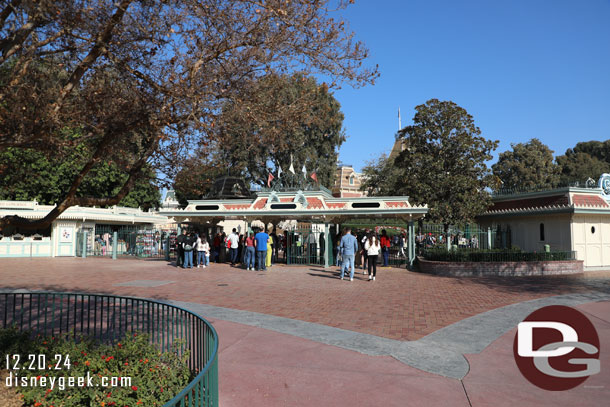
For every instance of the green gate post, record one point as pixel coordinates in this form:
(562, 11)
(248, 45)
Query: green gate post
(115, 244)
(167, 248)
(411, 245)
(328, 246)
(84, 253)
(488, 238)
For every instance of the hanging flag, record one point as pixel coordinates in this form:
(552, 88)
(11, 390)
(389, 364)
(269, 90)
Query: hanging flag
(304, 171)
(269, 179)
(279, 171)
(291, 169)
(314, 176)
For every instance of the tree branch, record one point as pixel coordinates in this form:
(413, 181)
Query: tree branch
(98, 49)
(8, 10)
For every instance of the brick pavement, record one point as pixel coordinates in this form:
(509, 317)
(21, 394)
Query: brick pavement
(399, 305)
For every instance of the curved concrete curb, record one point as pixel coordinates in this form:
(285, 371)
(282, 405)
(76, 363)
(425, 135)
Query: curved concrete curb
(441, 352)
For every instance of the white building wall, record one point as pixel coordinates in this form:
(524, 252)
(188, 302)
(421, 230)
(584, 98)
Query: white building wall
(525, 232)
(591, 236)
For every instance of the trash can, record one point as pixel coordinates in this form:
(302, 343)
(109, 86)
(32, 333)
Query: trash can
(547, 248)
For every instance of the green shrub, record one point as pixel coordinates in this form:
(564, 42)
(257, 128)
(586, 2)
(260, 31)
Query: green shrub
(156, 376)
(497, 255)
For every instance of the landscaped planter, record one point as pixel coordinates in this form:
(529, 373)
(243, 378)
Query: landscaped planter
(509, 268)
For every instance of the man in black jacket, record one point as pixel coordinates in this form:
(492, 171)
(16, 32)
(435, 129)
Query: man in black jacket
(179, 248)
(189, 246)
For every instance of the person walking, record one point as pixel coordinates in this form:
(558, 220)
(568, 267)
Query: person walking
(233, 245)
(348, 249)
(363, 241)
(372, 247)
(250, 252)
(260, 242)
(385, 247)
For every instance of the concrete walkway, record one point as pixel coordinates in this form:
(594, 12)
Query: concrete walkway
(268, 359)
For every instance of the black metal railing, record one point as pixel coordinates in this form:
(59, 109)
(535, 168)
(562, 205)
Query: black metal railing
(106, 318)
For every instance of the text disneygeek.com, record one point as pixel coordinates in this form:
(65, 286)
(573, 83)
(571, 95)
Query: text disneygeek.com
(63, 382)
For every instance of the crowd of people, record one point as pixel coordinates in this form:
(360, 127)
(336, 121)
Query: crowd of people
(366, 246)
(254, 251)
(430, 241)
(259, 250)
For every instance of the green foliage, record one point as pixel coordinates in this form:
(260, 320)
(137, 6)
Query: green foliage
(597, 149)
(196, 178)
(380, 177)
(442, 165)
(580, 167)
(26, 174)
(279, 117)
(529, 165)
(155, 377)
(586, 160)
(496, 255)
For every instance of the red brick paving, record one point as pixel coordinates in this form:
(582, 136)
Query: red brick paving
(400, 305)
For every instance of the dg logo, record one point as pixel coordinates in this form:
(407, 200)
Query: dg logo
(557, 348)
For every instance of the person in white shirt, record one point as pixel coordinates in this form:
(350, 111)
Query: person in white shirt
(205, 246)
(364, 258)
(372, 248)
(233, 243)
(203, 252)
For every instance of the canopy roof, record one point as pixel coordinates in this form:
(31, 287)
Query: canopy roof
(314, 205)
(560, 200)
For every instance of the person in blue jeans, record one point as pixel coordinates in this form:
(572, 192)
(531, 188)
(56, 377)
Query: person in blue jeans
(250, 252)
(260, 242)
(348, 250)
(189, 244)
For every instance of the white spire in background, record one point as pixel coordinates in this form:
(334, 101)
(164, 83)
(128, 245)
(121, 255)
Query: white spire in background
(399, 124)
(291, 169)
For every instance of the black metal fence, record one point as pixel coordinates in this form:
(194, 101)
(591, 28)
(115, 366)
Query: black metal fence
(106, 318)
(134, 241)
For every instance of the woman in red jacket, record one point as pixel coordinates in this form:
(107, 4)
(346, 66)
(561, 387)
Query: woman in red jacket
(385, 247)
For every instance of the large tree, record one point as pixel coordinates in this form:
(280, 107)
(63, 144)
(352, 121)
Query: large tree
(527, 166)
(27, 174)
(579, 167)
(277, 118)
(196, 177)
(597, 149)
(148, 77)
(588, 159)
(442, 164)
(381, 176)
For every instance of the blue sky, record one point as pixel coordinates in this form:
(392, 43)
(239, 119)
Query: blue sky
(522, 69)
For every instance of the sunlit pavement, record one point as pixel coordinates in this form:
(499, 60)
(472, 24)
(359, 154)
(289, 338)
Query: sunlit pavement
(262, 367)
